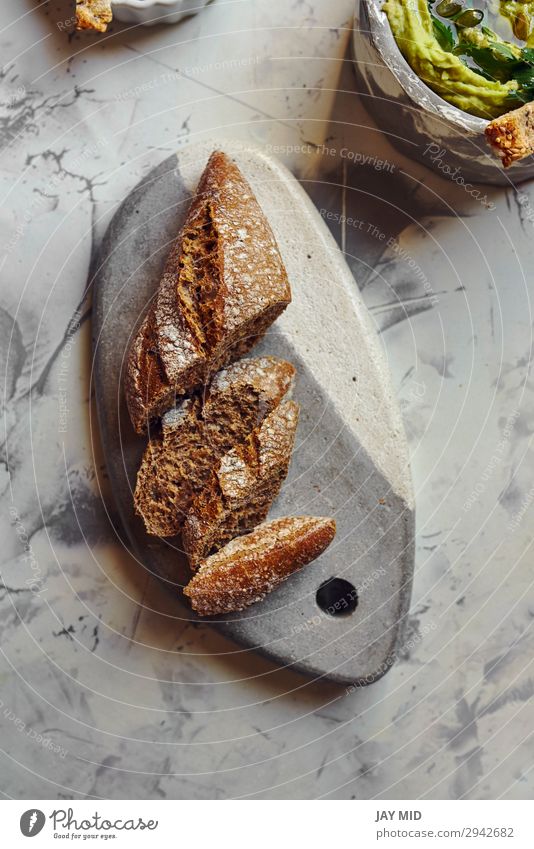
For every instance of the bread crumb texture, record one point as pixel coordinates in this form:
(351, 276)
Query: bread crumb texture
(193, 436)
(247, 479)
(93, 14)
(223, 285)
(512, 135)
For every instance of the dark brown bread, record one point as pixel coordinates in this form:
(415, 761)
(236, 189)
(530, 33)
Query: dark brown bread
(240, 492)
(183, 453)
(224, 283)
(249, 567)
(93, 14)
(512, 135)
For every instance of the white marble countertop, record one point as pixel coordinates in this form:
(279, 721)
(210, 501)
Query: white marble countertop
(102, 694)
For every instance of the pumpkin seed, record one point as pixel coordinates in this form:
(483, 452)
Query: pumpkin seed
(448, 10)
(469, 18)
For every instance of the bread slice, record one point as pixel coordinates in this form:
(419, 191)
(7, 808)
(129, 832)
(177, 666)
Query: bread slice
(183, 453)
(512, 135)
(249, 567)
(240, 492)
(93, 14)
(224, 283)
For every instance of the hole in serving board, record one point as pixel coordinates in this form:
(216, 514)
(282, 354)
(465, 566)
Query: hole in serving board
(337, 597)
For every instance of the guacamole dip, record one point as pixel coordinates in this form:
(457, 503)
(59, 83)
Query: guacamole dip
(475, 71)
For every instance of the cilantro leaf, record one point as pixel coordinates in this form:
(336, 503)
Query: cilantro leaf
(496, 60)
(525, 77)
(503, 50)
(444, 34)
(527, 54)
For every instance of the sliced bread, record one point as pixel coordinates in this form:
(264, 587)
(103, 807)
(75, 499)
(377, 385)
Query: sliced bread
(93, 14)
(251, 566)
(240, 492)
(512, 135)
(224, 283)
(183, 453)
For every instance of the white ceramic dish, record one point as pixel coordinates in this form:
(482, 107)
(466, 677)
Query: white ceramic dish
(151, 12)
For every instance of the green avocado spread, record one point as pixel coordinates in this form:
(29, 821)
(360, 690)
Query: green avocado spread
(483, 71)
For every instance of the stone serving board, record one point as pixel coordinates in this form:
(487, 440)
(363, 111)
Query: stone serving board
(350, 459)
(414, 116)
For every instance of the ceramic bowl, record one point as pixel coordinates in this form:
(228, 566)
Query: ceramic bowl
(150, 12)
(418, 121)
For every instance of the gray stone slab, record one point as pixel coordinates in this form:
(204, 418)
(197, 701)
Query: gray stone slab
(350, 459)
(413, 116)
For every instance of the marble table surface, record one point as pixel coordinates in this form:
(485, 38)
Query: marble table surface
(103, 694)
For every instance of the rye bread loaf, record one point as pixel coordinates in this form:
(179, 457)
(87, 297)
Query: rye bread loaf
(93, 14)
(224, 283)
(183, 453)
(249, 567)
(246, 481)
(512, 135)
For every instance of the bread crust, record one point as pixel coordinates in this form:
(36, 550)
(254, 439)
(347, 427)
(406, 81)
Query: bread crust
(93, 14)
(223, 284)
(512, 135)
(249, 567)
(240, 492)
(193, 436)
